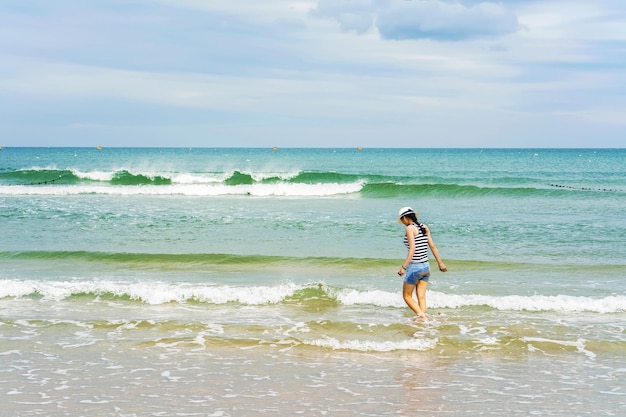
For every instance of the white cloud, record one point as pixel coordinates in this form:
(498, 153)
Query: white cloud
(333, 67)
(169, 89)
(444, 21)
(425, 19)
(254, 10)
(596, 116)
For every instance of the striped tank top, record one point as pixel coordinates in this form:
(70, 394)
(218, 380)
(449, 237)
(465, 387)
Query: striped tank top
(421, 245)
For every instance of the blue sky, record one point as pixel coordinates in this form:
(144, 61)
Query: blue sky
(328, 73)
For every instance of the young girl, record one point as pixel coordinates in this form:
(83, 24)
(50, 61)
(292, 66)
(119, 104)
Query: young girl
(417, 240)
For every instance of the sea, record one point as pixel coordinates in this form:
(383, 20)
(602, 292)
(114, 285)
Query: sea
(263, 281)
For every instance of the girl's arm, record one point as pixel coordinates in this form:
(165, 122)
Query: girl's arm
(435, 251)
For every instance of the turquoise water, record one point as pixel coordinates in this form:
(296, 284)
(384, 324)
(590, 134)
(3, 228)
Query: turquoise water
(164, 271)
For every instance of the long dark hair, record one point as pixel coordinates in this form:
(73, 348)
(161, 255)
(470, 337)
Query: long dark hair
(413, 217)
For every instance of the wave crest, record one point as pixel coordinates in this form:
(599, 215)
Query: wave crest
(162, 293)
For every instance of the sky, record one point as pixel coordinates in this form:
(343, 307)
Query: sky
(326, 73)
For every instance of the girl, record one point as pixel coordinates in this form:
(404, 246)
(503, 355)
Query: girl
(417, 240)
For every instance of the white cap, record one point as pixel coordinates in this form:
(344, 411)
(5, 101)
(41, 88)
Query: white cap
(404, 211)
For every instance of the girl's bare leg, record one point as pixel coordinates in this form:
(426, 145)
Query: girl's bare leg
(421, 294)
(407, 294)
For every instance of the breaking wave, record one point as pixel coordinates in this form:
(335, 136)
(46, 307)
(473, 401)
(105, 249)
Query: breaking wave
(51, 181)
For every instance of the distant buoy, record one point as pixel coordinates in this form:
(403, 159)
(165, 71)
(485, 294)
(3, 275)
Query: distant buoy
(274, 148)
(359, 149)
(99, 147)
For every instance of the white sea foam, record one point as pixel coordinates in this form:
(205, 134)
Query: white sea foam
(374, 297)
(374, 346)
(149, 292)
(94, 175)
(163, 292)
(580, 344)
(260, 176)
(562, 303)
(209, 188)
(187, 178)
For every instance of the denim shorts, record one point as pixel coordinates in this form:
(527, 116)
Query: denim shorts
(417, 272)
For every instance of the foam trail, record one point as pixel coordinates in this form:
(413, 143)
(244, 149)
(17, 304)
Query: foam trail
(209, 189)
(560, 303)
(149, 292)
(374, 346)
